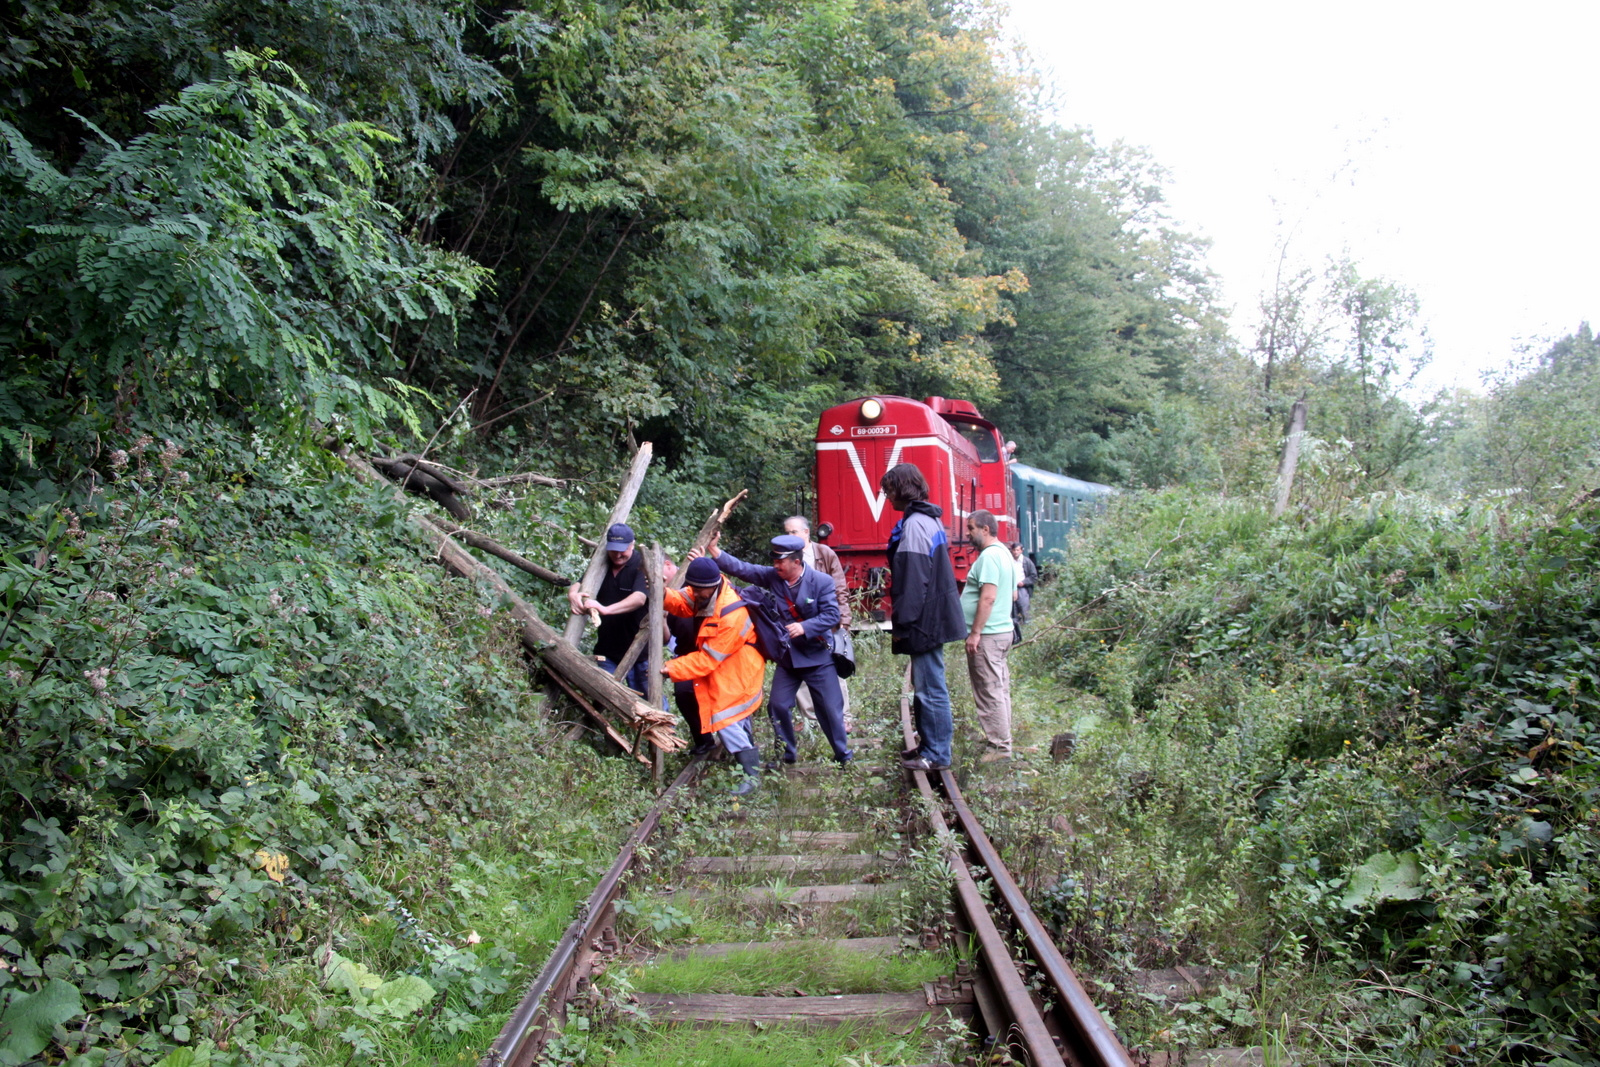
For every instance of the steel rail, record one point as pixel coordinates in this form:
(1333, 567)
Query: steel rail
(523, 1036)
(1091, 1040)
(1026, 1021)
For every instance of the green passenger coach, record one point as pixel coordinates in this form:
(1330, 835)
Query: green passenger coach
(1049, 508)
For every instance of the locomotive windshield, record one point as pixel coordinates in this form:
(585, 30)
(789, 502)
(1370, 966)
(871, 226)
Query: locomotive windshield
(982, 439)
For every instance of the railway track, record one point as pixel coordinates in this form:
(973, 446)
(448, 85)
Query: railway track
(847, 903)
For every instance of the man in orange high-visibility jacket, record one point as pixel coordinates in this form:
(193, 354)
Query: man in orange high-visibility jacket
(726, 667)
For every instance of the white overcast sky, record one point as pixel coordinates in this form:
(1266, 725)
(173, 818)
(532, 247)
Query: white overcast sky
(1465, 138)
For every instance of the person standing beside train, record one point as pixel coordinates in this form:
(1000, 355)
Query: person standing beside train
(822, 558)
(925, 612)
(1027, 575)
(986, 604)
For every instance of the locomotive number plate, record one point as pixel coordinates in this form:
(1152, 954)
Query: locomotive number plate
(874, 431)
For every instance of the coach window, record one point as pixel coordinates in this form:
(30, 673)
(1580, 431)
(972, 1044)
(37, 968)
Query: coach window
(983, 442)
(1055, 507)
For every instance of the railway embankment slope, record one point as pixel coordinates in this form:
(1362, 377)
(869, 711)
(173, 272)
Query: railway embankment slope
(1343, 765)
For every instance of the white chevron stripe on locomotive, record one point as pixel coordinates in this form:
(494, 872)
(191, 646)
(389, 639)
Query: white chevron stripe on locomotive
(876, 501)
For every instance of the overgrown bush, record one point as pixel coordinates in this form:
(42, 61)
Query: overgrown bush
(1350, 758)
(240, 703)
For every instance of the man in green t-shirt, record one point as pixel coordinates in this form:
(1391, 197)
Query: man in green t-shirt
(986, 604)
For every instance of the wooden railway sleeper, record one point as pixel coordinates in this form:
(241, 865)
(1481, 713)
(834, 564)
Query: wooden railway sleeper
(995, 987)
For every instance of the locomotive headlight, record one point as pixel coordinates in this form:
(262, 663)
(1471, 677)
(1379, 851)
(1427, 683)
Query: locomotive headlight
(871, 409)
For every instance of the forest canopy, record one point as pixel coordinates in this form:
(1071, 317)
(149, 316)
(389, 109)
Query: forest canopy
(596, 219)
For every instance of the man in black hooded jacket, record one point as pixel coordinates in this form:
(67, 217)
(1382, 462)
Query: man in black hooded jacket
(926, 608)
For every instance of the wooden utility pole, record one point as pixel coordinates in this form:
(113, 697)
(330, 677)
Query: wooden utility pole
(1291, 456)
(598, 563)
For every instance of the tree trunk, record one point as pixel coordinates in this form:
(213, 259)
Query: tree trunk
(559, 657)
(1291, 457)
(597, 565)
(494, 548)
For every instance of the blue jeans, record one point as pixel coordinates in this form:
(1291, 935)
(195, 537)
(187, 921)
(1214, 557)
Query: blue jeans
(933, 721)
(638, 674)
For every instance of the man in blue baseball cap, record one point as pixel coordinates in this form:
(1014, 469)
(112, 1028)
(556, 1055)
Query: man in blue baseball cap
(809, 610)
(620, 600)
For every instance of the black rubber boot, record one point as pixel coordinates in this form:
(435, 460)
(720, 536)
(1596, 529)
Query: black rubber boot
(750, 760)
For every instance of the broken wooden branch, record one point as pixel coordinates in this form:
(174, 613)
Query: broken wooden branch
(450, 477)
(521, 479)
(587, 542)
(423, 482)
(712, 527)
(597, 565)
(605, 723)
(494, 548)
(565, 663)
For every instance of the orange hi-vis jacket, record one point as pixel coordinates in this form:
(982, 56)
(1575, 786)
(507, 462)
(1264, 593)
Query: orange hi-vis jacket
(726, 667)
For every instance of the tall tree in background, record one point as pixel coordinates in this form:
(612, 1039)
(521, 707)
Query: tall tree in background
(1348, 344)
(1376, 350)
(1117, 309)
(1537, 433)
(694, 217)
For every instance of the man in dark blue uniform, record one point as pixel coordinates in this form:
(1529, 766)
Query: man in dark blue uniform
(809, 607)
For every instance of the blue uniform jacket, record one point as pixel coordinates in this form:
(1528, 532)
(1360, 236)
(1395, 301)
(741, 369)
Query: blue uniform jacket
(813, 598)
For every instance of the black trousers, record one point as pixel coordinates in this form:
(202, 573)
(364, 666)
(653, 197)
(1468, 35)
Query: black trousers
(826, 699)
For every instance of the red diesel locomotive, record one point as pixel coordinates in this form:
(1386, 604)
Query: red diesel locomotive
(960, 454)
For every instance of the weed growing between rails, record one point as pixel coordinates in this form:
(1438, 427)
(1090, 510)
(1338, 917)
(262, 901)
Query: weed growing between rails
(267, 766)
(756, 922)
(1342, 769)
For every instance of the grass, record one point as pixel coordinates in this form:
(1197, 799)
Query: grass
(739, 1047)
(813, 968)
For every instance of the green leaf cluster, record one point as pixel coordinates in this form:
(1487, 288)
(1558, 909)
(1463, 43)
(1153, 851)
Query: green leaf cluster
(236, 257)
(239, 701)
(1364, 741)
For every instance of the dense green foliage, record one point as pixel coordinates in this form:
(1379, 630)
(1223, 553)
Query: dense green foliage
(240, 703)
(1536, 432)
(691, 217)
(1352, 761)
(230, 231)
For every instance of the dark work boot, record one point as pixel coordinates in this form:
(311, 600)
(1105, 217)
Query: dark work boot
(750, 760)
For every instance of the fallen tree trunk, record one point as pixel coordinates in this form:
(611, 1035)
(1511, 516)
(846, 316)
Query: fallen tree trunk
(712, 527)
(560, 658)
(521, 479)
(597, 565)
(495, 548)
